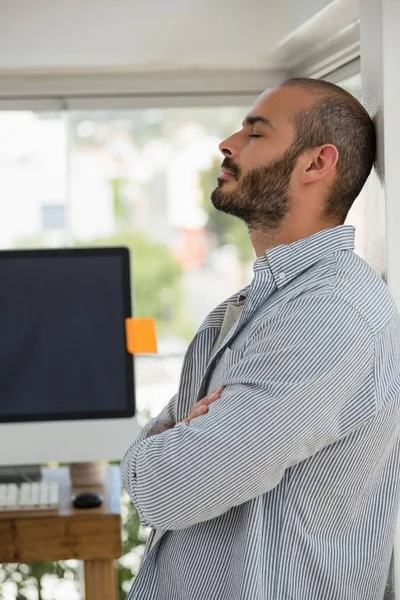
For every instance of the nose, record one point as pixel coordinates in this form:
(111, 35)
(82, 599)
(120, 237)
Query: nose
(224, 149)
(228, 147)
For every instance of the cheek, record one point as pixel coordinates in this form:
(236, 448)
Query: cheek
(260, 152)
(253, 157)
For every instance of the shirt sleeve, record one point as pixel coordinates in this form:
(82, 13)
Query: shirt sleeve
(168, 413)
(305, 380)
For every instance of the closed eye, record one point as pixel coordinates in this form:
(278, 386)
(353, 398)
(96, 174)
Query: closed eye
(255, 135)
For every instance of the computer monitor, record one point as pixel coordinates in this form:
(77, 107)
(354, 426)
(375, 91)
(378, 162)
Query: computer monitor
(66, 377)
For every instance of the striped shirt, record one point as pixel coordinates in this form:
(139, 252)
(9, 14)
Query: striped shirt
(288, 487)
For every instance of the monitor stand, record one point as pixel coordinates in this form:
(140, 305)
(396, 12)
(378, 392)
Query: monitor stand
(20, 474)
(87, 474)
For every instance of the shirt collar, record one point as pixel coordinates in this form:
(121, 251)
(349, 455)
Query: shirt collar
(287, 261)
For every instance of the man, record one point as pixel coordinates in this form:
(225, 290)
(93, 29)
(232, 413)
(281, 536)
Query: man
(284, 484)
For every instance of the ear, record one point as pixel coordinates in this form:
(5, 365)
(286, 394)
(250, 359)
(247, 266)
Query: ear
(319, 163)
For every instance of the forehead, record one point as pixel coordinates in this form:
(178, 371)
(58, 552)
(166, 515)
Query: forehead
(280, 104)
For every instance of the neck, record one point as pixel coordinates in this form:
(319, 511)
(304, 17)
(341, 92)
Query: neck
(263, 240)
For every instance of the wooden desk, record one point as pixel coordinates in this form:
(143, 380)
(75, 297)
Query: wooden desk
(92, 535)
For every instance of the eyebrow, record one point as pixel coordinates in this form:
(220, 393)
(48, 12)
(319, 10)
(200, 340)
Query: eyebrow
(258, 119)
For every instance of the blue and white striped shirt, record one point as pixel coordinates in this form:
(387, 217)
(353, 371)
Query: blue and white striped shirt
(288, 488)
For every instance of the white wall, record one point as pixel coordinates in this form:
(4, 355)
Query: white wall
(380, 45)
(146, 36)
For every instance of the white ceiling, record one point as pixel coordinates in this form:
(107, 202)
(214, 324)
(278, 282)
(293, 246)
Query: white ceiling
(149, 35)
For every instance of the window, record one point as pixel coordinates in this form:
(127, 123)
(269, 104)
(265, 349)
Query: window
(32, 174)
(140, 178)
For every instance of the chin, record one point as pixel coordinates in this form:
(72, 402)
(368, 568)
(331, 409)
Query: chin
(222, 200)
(227, 183)
(226, 189)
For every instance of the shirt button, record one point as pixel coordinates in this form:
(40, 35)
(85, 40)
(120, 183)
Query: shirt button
(282, 276)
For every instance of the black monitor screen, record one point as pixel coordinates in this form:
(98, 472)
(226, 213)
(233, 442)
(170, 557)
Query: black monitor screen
(62, 335)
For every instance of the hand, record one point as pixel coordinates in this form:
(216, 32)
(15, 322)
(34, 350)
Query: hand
(201, 407)
(160, 428)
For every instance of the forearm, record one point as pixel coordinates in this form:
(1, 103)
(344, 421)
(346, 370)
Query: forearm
(153, 427)
(128, 468)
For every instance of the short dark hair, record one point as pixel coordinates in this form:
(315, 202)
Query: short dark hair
(337, 118)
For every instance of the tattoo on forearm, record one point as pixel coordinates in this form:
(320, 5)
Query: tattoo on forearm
(161, 427)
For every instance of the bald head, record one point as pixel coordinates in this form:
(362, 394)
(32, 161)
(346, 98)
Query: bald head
(328, 114)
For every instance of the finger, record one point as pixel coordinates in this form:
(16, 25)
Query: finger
(201, 410)
(212, 398)
(206, 400)
(203, 403)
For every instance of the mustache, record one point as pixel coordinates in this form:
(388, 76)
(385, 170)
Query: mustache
(231, 166)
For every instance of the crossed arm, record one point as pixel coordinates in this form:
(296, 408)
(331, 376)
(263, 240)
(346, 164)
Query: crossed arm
(291, 394)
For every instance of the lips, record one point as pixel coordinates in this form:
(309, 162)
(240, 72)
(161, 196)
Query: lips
(226, 174)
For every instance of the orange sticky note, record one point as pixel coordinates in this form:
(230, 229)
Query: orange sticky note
(141, 336)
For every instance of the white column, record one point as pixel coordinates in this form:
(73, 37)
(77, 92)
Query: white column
(380, 71)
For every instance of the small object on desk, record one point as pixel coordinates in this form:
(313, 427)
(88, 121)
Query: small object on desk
(87, 500)
(29, 496)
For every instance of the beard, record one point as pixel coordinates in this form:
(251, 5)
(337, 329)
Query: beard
(262, 196)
